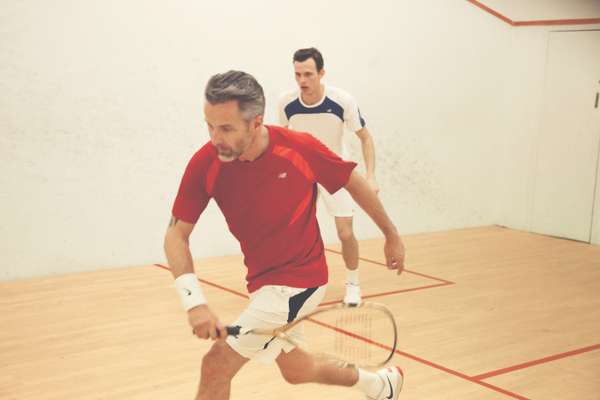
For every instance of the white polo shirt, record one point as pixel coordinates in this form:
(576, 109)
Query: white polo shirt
(326, 119)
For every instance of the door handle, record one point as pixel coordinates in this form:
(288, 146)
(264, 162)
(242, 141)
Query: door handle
(597, 95)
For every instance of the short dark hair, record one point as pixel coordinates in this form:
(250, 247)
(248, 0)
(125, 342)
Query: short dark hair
(239, 86)
(311, 52)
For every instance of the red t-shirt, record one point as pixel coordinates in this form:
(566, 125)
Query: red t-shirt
(269, 204)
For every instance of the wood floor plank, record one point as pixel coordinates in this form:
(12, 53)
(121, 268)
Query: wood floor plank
(513, 298)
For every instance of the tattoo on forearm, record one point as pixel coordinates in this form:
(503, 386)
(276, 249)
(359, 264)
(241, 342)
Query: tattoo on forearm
(173, 222)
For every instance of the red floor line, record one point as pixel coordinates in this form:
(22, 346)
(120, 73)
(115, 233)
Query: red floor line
(211, 284)
(245, 296)
(370, 296)
(406, 270)
(430, 277)
(421, 360)
(407, 290)
(501, 390)
(461, 375)
(401, 353)
(535, 362)
(162, 266)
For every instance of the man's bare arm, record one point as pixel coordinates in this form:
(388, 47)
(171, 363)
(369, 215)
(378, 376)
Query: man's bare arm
(366, 198)
(204, 323)
(368, 151)
(177, 247)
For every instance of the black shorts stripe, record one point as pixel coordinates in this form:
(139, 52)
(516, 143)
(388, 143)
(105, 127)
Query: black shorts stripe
(296, 302)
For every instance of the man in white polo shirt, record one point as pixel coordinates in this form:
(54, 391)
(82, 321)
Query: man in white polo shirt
(326, 112)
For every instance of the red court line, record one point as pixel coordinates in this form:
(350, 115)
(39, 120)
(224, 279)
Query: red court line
(478, 379)
(406, 270)
(536, 362)
(546, 22)
(401, 353)
(421, 360)
(370, 296)
(322, 304)
(461, 375)
(211, 284)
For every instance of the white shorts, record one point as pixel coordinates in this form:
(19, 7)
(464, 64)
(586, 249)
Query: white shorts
(270, 307)
(339, 204)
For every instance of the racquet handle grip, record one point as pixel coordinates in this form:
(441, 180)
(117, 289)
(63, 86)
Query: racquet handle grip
(233, 330)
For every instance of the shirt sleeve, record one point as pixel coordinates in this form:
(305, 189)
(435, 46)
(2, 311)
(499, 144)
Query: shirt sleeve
(352, 117)
(192, 197)
(331, 171)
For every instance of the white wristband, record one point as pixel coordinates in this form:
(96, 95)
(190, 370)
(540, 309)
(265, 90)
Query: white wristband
(189, 290)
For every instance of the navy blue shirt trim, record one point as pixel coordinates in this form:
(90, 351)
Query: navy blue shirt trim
(328, 106)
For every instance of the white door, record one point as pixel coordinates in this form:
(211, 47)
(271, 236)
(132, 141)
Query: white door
(566, 172)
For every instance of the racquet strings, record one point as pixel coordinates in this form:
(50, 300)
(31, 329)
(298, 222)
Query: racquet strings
(363, 336)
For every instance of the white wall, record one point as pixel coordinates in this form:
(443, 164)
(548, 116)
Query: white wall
(527, 74)
(101, 110)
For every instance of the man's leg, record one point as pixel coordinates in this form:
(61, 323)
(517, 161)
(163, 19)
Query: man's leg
(349, 242)
(298, 367)
(350, 255)
(219, 366)
(341, 206)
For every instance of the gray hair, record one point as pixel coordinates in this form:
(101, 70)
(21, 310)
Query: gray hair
(238, 86)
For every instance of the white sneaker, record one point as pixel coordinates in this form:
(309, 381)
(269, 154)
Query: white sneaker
(393, 378)
(352, 296)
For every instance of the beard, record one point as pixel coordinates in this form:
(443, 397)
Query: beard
(227, 154)
(232, 153)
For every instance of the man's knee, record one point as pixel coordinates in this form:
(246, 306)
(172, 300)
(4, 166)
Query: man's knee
(218, 362)
(296, 376)
(296, 367)
(345, 233)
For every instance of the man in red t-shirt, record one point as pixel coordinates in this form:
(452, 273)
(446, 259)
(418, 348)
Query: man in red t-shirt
(263, 178)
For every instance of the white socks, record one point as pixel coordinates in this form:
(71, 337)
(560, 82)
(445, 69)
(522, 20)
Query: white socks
(352, 276)
(369, 383)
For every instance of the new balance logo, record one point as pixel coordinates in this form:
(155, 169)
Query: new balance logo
(282, 175)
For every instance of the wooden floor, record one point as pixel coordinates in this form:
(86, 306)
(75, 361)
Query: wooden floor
(484, 313)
